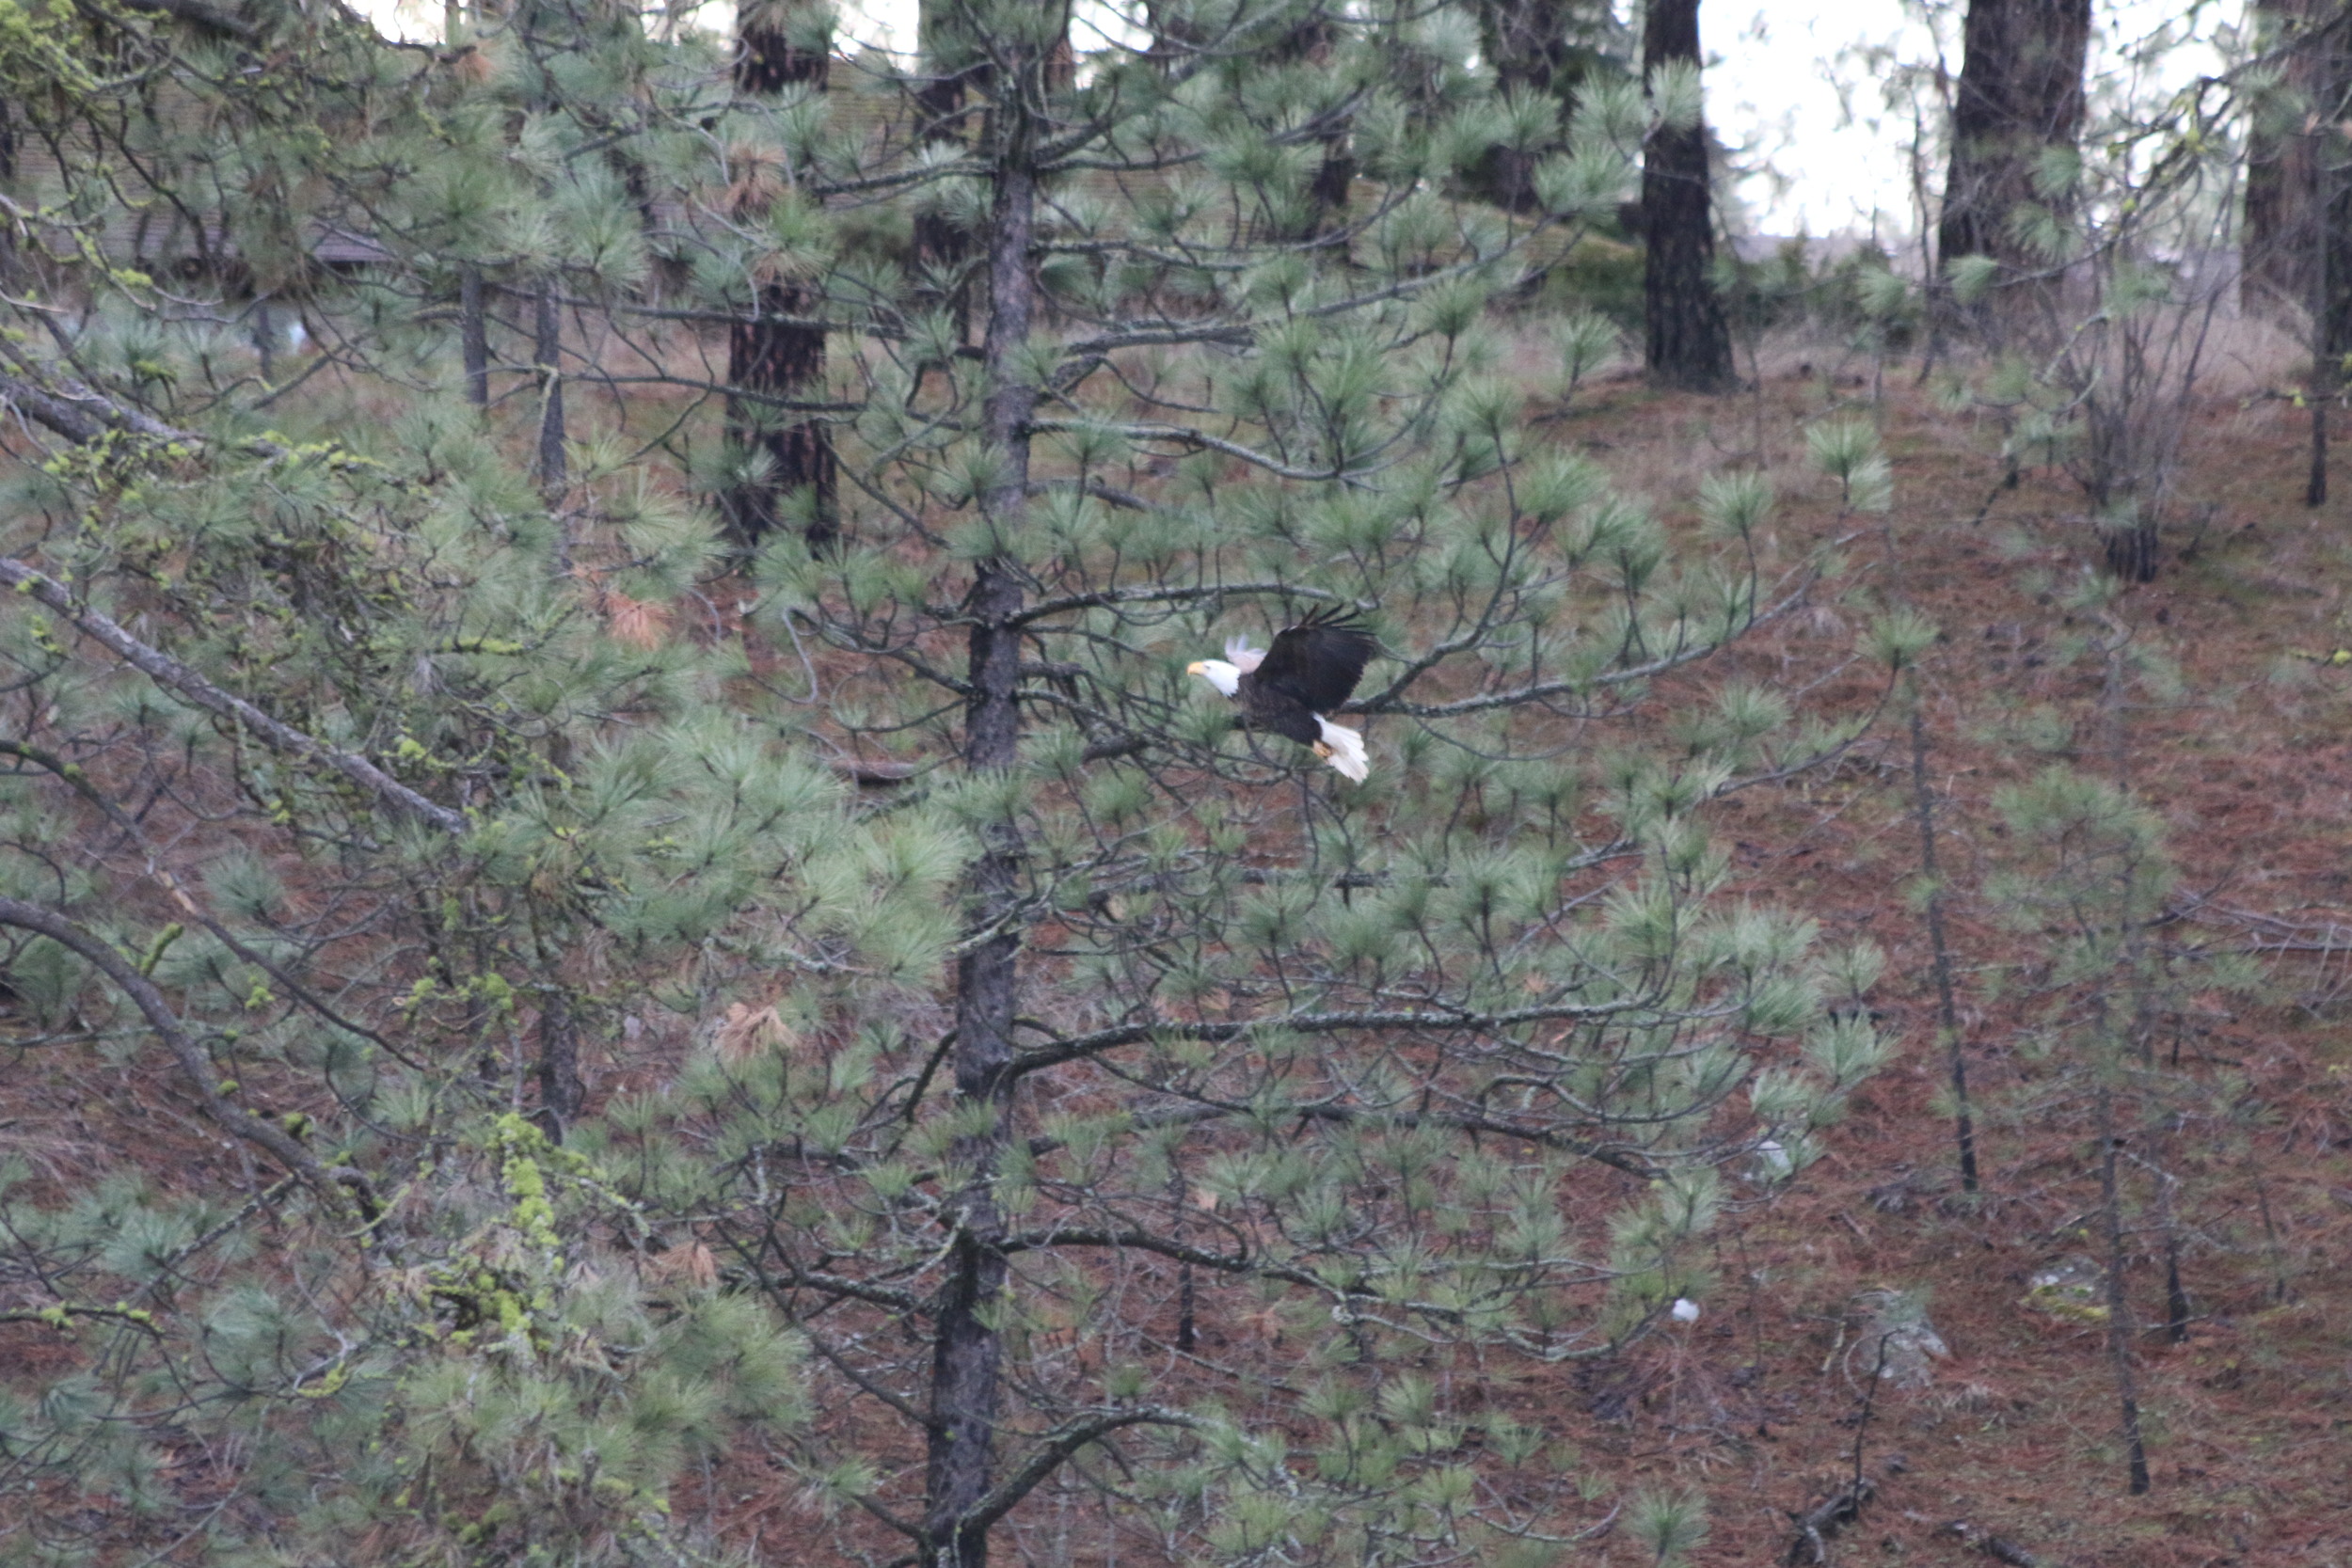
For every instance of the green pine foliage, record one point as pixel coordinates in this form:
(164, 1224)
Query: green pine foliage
(658, 1026)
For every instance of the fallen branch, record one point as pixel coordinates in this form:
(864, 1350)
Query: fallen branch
(1817, 1524)
(1991, 1546)
(1824, 1519)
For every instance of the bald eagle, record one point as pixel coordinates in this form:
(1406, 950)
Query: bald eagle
(1288, 688)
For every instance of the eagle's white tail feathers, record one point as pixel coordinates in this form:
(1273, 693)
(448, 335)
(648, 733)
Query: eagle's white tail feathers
(1347, 749)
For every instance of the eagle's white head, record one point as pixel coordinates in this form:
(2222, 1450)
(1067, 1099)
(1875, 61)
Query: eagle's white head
(1226, 674)
(1225, 678)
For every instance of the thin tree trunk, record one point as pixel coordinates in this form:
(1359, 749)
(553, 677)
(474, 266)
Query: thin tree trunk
(265, 338)
(547, 356)
(967, 1351)
(1947, 1009)
(2176, 1302)
(2118, 1306)
(562, 1093)
(1689, 343)
(769, 353)
(2315, 482)
(474, 335)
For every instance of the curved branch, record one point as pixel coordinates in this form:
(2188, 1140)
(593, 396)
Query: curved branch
(1059, 1448)
(77, 777)
(1076, 1046)
(196, 1068)
(276, 734)
(1153, 594)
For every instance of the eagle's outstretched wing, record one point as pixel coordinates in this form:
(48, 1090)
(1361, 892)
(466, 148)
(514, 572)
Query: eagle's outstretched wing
(1317, 663)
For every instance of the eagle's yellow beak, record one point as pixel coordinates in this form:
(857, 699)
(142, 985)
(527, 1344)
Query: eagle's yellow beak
(1198, 667)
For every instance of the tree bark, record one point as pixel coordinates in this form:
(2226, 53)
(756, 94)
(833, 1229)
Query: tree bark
(560, 1092)
(474, 335)
(2330, 271)
(967, 1348)
(941, 247)
(2019, 96)
(547, 356)
(1530, 44)
(2119, 1303)
(2279, 246)
(1689, 343)
(769, 352)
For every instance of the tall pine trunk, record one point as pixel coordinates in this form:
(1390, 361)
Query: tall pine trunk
(2328, 273)
(1527, 40)
(942, 247)
(2279, 246)
(967, 1354)
(771, 353)
(1689, 343)
(2019, 96)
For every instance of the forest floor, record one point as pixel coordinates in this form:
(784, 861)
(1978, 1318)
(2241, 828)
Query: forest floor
(2010, 1451)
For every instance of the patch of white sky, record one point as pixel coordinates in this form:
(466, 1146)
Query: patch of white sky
(1830, 107)
(1834, 111)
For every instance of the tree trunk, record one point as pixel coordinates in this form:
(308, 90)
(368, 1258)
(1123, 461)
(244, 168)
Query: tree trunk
(547, 356)
(941, 247)
(1939, 940)
(2330, 275)
(2019, 96)
(2119, 1303)
(1690, 344)
(560, 1092)
(2279, 247)
(1528, 42)
(474, 335)
(967, 1351)
(769, 354)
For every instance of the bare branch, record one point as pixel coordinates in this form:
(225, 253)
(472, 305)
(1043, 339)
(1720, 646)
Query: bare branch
(196, 1068)
(170, 672)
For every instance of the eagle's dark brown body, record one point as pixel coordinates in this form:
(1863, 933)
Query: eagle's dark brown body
(1291, 687)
